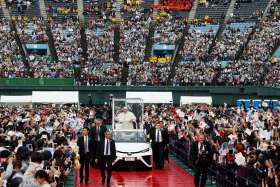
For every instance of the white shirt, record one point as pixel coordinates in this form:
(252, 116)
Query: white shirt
(158, 133)
(107, 143)
(201, 148)
(45, 185)
(86, 144)
(97, 132)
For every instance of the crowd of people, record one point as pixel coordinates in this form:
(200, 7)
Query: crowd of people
(32, 31)
(230, 42)
(38, 144)
(253, 68)
(10, 57)
(244, 142)
(67, 41)
(100, 67)
(195, 73)
(241, 144)
(255, 59)
(168, 30)
(204, 66)
(133, 37)
(19, 5)
(62, 8)
(197, 44)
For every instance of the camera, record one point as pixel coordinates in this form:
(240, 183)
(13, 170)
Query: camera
(2, 169)
(29, 147)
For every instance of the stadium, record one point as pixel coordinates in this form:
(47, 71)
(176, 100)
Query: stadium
(139, 93)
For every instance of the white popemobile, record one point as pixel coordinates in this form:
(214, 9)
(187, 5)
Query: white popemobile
(131, 146)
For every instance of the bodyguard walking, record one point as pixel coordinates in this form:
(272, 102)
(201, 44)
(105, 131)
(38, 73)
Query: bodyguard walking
(106, 154)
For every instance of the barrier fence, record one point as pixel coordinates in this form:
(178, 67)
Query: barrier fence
(37, 82)
(101, 94)
(221, 174)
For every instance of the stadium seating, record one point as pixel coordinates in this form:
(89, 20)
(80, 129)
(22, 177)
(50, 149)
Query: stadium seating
(60, 9)
(214, 9)
(122, 51)
(249, 10)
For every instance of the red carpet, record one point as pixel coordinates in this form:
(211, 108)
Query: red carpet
(173, 175)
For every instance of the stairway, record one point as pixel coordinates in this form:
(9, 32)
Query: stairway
(147, 3)
(267, 8)
(5, 10)
(149, 41)
(21, 46)
(177, 54)
(217, 36)
(241, 50)
(117, 6)
(155, 11)
(245, 10)
(48, 30)
(83, 41)
(43, 9)
(125, 72)
(116, 56)
(274, 49)
(222, 26)
(230, 11)
(193, 11)
(215, 11)
(80, 4)
(51, 42)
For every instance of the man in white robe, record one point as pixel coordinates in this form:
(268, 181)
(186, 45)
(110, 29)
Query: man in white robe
(125, 119)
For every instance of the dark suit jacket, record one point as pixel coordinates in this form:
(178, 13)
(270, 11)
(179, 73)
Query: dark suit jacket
(164, 135)
(101, 146)
(147, 126)
(102, 131)
(81, 145)
(195, 157)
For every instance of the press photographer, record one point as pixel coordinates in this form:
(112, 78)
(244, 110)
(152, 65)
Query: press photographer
(201, 153)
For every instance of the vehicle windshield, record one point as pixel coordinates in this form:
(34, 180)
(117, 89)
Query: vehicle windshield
(127, 136)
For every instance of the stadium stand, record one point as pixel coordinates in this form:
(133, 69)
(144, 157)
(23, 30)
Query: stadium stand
(103, 50)
(110, 47)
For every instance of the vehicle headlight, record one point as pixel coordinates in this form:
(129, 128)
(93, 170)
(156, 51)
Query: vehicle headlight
(145, 150)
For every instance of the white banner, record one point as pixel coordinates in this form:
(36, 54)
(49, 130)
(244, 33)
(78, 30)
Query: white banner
(152, 97)
(55, 97)
(196, 100)
(16, 99)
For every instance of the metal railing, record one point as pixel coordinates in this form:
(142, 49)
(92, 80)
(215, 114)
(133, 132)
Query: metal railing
(220, 174)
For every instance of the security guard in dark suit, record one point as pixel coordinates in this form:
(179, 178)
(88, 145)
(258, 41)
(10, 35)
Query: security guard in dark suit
(85, 145)
(106, 154)
(202, 156)
(160, 141)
